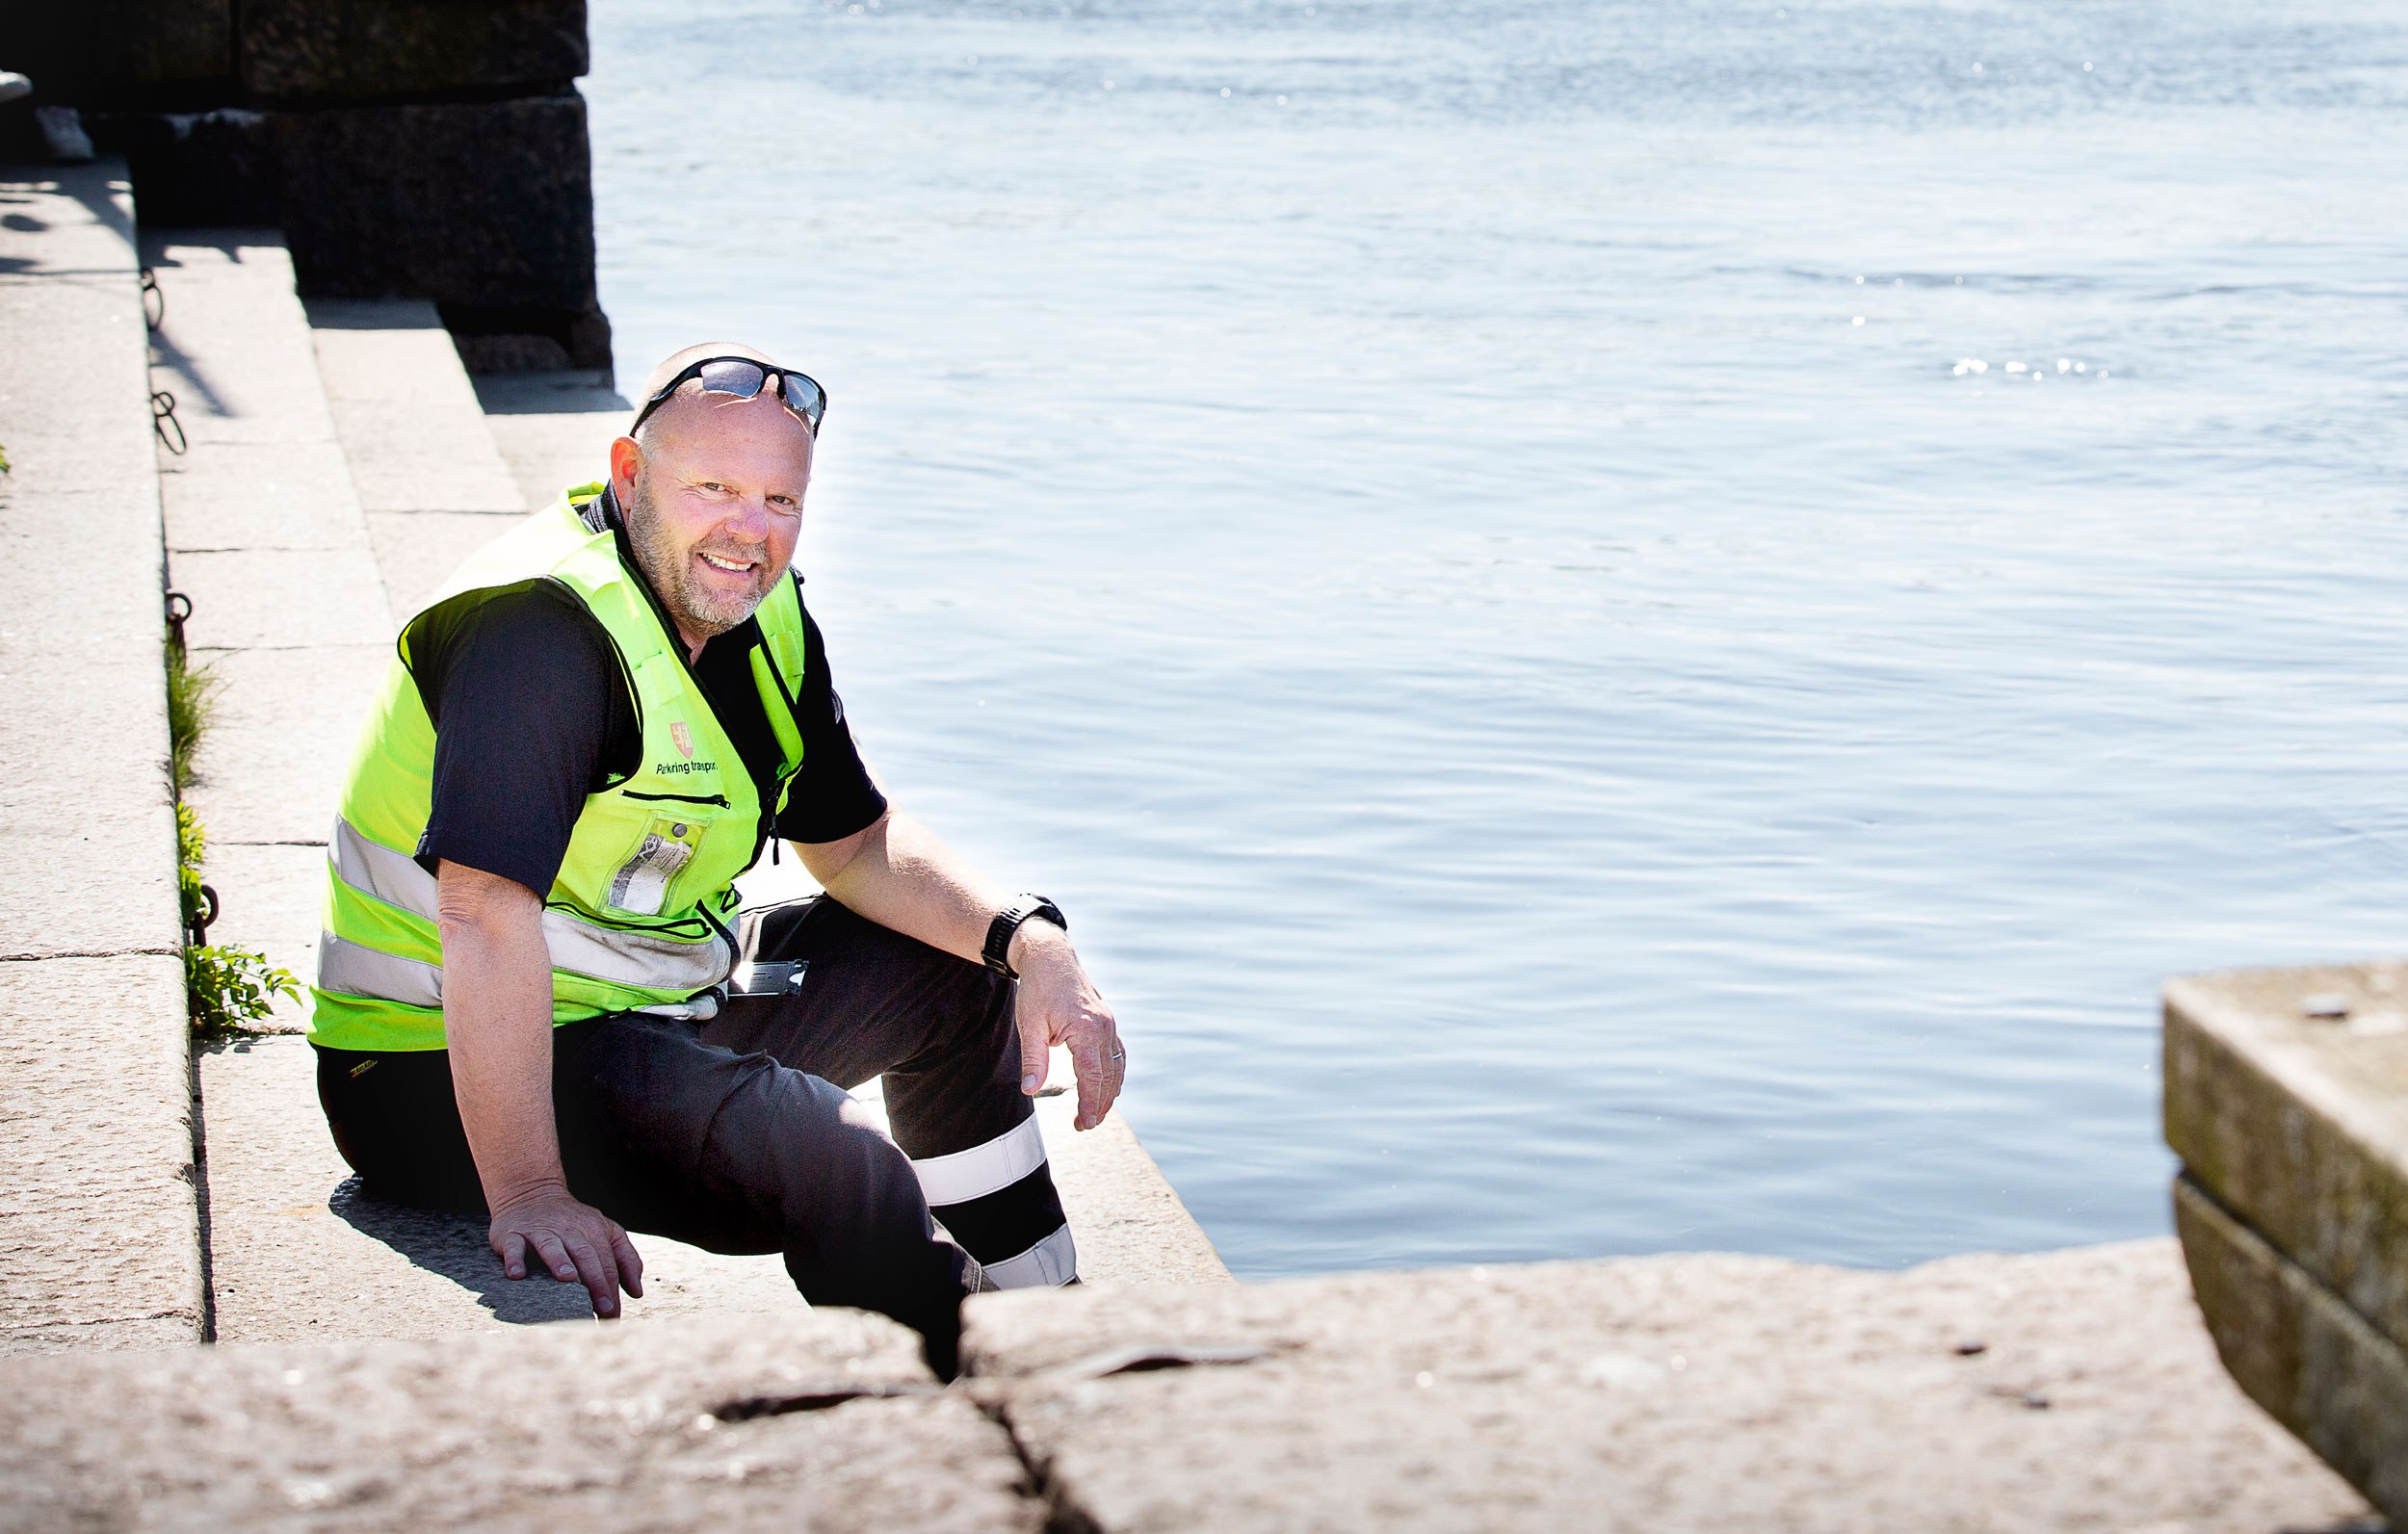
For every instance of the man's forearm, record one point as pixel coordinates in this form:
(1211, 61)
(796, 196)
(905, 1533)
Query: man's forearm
(497, 1022)
(901, 877)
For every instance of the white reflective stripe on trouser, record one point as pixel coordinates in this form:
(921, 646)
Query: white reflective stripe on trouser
(354, 969)
(614, 954)
(982, 1169)
(1048, 1264)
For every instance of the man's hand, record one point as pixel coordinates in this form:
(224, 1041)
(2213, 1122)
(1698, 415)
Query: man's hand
(574, 1240)
(1059, 1004)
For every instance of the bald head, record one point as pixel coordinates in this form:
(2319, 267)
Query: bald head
(680, 360)
(712, 487)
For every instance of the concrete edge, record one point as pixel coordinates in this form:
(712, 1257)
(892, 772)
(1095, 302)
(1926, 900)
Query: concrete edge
(2224, 1072)
(2299, 1350)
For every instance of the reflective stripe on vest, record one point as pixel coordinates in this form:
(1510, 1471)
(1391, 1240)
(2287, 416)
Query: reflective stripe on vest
(577, 946)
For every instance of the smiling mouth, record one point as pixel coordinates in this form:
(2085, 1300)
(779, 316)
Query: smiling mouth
(726, 565)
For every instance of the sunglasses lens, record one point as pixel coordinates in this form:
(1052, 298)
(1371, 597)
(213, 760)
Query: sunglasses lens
(733, 376)
(805, 397)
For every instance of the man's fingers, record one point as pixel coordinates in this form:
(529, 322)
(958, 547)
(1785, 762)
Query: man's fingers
(630, 1261)
(1033, 1045)
(599, 1273)
(555, 1256)
(513, 1254)
(1099, 1080)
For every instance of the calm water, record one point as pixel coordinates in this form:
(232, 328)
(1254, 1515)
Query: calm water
(1500, 561)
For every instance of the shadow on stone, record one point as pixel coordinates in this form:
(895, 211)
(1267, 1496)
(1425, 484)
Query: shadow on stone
(453, 1246)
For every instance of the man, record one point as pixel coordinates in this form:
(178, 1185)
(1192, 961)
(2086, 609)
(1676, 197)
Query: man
(537, 998)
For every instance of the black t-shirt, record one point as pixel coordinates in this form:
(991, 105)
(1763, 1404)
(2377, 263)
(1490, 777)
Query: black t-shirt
(531, 713)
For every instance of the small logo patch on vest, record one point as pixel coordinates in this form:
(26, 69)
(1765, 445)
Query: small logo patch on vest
(684, 737)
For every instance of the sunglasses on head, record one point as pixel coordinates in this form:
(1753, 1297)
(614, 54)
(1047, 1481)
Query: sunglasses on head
(744, 378)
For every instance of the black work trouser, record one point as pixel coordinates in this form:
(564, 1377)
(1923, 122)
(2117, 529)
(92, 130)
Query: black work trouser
(737, 1134)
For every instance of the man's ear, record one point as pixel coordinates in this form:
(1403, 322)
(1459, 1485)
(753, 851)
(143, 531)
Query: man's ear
(626, 462)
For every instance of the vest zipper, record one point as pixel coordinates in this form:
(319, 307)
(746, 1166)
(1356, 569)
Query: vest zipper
(720, 800)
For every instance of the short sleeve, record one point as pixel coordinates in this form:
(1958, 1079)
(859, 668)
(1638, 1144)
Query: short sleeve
(528, 712)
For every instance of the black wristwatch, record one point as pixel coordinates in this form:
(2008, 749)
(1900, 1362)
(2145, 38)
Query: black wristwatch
(999, 932)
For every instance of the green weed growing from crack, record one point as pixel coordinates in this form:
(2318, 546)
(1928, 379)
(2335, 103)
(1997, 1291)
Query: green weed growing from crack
(228, 990)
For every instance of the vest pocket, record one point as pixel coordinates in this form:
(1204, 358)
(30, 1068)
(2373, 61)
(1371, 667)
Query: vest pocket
(669, 841)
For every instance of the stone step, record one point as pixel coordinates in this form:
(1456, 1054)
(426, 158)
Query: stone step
(2286, 1098)
(433, 483)
(2007, 1394)
(297, 1255)
(722, 1424)
(267, 535)
(553, 430)
(99, 1243)
(2061, 1391)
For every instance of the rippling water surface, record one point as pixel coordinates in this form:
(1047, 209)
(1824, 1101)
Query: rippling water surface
(1624, 627)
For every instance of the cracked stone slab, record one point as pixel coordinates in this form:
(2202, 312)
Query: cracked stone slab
(98, 1224)
(2298, 1124)
(251, 495)
(1651, 1394)
(299, 1253)
(282, 599)
(728, 1424)
(271, 769)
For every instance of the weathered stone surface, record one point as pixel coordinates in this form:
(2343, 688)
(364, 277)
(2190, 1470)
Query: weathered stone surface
(418, 551)
(271, 769)
(99, 1244)
(57, 610)
(407, 416)
(92, 872)
(504, 341)
(279, 495)
(71, 396)
(270, 902)
(587, 1427)
(282, 599)
(2301, 1350)
(1653, 1394)
(301, 51)
(481, 207)
(233, 343)
(2297, 1125)
(195, 168)
(553, 430)
(481, 203)
(299, 1253)
(111, 50)
(98, 1238)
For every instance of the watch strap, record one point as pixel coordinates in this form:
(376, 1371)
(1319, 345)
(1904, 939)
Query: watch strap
(1007, 921)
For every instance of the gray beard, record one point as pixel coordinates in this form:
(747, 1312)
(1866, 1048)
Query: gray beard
(665, 569)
